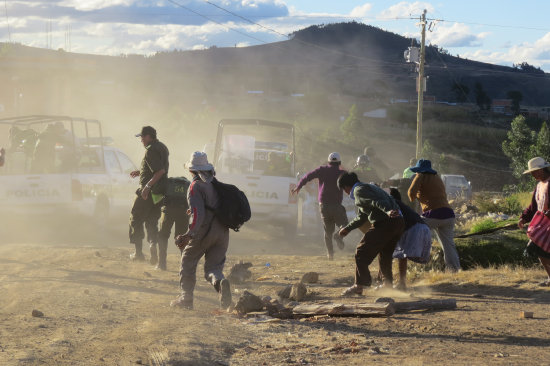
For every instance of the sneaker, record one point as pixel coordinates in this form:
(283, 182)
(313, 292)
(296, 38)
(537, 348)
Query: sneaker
(353, 290)
(154, 255)
(339, 241)
(137, 257)
(181, 302)
(225, 294)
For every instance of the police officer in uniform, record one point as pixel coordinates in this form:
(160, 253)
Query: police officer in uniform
(174, 213)
(153, 176)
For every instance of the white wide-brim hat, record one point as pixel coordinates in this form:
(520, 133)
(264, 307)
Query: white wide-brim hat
(199, 162)
(536, 164)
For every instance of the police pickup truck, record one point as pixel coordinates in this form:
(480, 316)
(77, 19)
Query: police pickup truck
(258, 157)
(63, 165)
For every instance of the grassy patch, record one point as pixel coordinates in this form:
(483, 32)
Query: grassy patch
(480, 226)
(503, 248)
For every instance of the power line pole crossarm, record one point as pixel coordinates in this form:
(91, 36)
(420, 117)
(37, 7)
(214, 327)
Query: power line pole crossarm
(420, 88)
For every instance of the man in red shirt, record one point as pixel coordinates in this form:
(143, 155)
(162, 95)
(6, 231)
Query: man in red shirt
(330, 199)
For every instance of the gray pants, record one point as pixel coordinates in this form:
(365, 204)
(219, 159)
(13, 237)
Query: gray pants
(214, 247)
(332, 214)
(444, 233)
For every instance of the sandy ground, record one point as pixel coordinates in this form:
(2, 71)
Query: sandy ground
(102, 309)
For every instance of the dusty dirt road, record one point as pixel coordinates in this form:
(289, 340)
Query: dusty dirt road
(101, 309)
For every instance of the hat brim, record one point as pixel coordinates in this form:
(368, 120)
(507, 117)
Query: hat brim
(416, 169)
(547, 165)
(201, 168)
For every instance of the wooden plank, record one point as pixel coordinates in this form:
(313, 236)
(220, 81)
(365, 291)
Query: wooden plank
(334, 309)
(430, 304)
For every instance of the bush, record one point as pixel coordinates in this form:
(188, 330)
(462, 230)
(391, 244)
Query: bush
(512, 204)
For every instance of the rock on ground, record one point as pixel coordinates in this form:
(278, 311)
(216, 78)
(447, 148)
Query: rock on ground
(240, 272)
(298, 292)
(310, 277)
(248, 302)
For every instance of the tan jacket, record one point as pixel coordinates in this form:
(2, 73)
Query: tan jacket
(429, 189)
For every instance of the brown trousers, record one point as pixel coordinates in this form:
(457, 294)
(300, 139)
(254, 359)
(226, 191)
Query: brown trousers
(379, 239)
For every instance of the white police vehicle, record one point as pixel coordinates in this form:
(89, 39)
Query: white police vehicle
(77, 170)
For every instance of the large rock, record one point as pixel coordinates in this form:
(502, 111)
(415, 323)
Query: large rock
(248, 302)
(298, 292)
(310, 277)
(240, 272)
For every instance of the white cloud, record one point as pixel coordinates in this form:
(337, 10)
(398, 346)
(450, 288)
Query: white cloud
(406, 9)
(94, 4)
(361, 11)
(536, 53)
(456, 35)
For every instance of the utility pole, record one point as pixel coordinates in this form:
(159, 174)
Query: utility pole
(421, 87)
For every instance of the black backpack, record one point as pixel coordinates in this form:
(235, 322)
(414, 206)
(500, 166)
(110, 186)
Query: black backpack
(176, 190)
(233, 208)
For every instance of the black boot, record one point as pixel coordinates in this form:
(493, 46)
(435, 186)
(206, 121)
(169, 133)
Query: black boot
(138, 256)
(154, 256)
(163, 246)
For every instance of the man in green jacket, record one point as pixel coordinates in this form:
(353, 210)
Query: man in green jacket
(387, 225)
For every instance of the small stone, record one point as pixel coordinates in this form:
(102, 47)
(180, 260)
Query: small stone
(105, 306)
(310, 277)
(478, 296)
(98, 254)
(87, 292)
(147, 274)
(139, 361)
(37, 313)
(298, 292)
(375, 351)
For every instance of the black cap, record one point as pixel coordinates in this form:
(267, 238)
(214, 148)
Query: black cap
(147, 130)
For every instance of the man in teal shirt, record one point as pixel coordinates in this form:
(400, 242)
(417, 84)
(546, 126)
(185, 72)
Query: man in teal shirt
(387, 225)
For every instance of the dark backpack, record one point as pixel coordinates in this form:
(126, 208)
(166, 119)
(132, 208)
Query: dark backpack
(176, 190)
(233, 208)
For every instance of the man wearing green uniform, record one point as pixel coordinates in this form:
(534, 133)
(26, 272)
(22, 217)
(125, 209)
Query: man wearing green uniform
(153, 176)
(174, 213)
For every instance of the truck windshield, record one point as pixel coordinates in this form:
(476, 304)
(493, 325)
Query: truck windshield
(256, 149)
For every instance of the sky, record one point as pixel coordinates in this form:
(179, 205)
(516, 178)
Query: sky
(496, 31)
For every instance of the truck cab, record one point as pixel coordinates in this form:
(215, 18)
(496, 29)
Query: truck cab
(457, 186)
(258, 157)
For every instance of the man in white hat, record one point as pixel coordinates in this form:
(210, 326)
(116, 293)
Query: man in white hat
(206, 236)
(330, 199)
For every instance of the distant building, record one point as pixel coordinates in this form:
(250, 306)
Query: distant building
(377, 113)
(502, 106)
